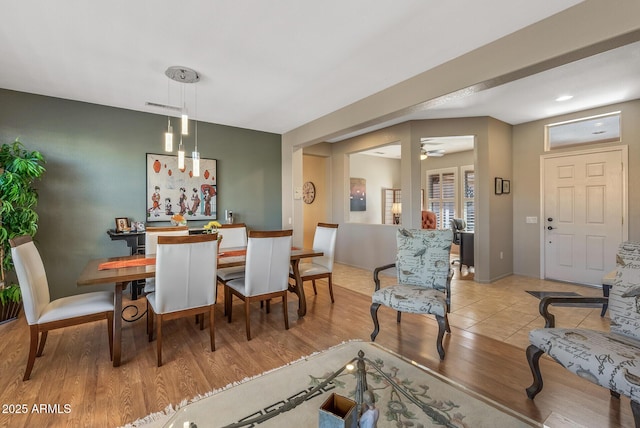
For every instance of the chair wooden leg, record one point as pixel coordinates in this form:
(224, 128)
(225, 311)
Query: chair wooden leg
(331, 289)
(441, 329)
(268, 305)
(150, 316)
(43, 340)
(398, 317)
(33, 346)
(212, 335)
(227, 303)
(159, 340)
(446, 323)
(533, 357)
(315, 291)
(110, 333)
(614, 394)
(201, 320)
(247, 318)
(285, 310)
(374, 316)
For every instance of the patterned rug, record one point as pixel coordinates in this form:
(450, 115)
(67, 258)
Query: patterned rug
(541, 294)
(423, 398)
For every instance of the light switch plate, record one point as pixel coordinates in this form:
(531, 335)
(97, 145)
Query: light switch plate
(297, 193)
(532, 220)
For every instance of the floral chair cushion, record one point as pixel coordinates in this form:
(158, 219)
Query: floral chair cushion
(423, 257)
(412, 298)
(624, 297)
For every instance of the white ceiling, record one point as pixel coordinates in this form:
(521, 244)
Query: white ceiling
(271, 65)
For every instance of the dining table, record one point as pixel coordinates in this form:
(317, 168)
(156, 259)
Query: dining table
(121, 271)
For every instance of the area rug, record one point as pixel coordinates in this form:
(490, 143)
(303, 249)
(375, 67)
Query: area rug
(440, 402)
(541, 294)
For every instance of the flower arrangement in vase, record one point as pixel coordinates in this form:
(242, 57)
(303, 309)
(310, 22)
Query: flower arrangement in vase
(212, 227)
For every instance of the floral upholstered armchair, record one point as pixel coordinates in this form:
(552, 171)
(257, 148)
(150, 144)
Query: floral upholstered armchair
(609, 359)
(423, 279)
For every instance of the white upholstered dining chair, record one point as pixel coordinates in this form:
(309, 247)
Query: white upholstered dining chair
(233, 235)
(321, 267)
(151, 243)
(266, 273)
(185, 283)
(44, 314)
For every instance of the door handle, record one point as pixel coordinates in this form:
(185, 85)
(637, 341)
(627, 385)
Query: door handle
(551, 228)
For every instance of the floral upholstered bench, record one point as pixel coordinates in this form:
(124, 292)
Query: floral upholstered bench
(609, 359)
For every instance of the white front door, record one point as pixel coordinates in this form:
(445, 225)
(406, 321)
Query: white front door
(583, 215)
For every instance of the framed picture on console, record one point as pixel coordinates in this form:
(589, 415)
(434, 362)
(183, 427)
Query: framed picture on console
(171, 190)
(122, 224)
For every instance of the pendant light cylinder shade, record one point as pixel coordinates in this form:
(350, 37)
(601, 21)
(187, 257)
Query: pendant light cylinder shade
(185, 124)
(168, 138)
(196, 164)
(181, 156)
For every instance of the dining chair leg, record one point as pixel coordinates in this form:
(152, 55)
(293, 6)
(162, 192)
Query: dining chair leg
(159, 339)
(285, 310)
(212, 335)
(43, 340)
(247, 318)
(268, 305)
(33, 346)
(315, 291)
(331, 288)
(201, 319)
(150, 316)
(227, 302)
(110, 333)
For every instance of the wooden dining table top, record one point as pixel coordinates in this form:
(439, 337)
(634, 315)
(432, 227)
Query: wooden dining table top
(92, 274)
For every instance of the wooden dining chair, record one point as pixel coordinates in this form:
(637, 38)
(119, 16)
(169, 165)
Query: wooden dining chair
(151, 244)
(266, 274)
(44, 314)
(185, 283)
(321, 267)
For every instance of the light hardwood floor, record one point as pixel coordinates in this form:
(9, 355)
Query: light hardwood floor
(75, 369)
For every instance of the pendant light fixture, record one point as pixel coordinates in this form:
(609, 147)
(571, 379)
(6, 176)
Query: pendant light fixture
(168, 136)
(184, 75)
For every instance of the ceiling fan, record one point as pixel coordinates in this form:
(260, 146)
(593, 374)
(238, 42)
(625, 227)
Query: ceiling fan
(424, 153)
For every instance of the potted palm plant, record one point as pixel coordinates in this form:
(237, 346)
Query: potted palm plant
(19, 169)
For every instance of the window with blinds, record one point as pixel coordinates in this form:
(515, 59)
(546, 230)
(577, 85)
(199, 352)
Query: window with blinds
(441, 192)
(389, 197)
(468, 193)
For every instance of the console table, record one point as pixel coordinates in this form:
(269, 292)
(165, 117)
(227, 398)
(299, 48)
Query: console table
(135, 241)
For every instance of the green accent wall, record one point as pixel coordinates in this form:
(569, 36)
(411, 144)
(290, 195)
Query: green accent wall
(96, 171)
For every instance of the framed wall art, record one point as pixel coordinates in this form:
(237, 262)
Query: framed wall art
(173, 191)
(506, 187)
(358, 194)
(498, 186)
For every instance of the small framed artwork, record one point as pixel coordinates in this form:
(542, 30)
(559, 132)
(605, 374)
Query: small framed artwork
(498, 186)
(122, 224)
(506, 187)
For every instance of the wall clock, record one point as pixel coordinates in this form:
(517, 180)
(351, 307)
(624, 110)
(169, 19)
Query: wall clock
(308, 192)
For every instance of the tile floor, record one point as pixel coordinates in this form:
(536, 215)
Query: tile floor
(502, 310)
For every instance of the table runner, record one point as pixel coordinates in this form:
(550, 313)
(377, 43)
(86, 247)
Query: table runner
(149, 261)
